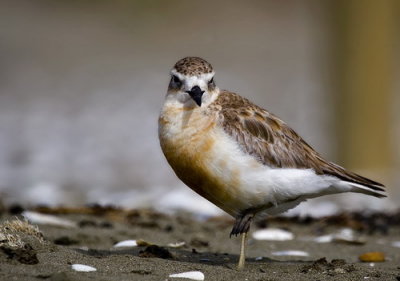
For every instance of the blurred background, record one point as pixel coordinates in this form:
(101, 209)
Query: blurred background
(82, 83)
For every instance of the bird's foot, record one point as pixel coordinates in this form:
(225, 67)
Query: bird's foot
(242, 224)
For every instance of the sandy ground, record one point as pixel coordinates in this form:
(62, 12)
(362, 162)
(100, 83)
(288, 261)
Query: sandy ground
(207, 248)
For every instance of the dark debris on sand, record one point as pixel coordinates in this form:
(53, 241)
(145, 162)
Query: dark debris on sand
(206, 248)
(369, 223)
(25, 254)
(154, 251)
(336, 266)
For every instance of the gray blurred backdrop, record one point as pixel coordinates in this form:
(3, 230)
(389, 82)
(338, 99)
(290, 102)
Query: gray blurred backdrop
(82, 83)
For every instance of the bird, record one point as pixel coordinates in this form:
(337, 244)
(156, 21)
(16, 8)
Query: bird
(239, 156)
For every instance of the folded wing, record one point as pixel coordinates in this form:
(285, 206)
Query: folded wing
(273, 143)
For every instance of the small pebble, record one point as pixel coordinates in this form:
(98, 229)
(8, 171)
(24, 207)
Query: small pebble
(194, 275)
(372, 257)
(83, 268)
(65, 241)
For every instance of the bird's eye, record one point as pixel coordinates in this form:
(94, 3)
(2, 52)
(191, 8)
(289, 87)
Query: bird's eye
(176, 81)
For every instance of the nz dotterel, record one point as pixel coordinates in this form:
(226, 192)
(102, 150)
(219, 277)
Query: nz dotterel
(239, 156)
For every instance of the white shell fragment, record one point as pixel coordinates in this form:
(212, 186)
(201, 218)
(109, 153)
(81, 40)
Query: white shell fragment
(345, 235)
(273, 234)
(126, 243)
(176, 245)
(324, 238)
(38, 218)
(396, 244)
(83, 268)
(293, 253)
(132, 243)
(194, 275)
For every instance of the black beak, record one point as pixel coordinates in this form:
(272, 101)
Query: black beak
(196, 93)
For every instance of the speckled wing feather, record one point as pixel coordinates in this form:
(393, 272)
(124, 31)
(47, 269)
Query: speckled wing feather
(272, 142)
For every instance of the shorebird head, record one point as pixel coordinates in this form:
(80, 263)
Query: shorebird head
(192, 83)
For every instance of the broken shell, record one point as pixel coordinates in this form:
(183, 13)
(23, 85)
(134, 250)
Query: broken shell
(83, 268)
(273, 234)
(126, 243)
(396, 244)
(194, 275)
(38, 218)
(347, 235)
(293, 253)
(176, 245)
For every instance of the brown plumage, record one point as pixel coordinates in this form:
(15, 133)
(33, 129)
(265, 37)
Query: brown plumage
(193, 66)
(239, 156)
(272, 142)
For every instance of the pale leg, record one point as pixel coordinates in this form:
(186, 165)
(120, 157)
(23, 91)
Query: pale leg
(242, 257)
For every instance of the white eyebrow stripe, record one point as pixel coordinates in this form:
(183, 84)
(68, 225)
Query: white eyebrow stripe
(194, 80)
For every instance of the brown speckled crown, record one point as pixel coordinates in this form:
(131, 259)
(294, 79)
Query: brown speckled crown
(193, 66)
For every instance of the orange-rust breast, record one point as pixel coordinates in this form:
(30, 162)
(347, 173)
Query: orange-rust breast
(188, 141)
